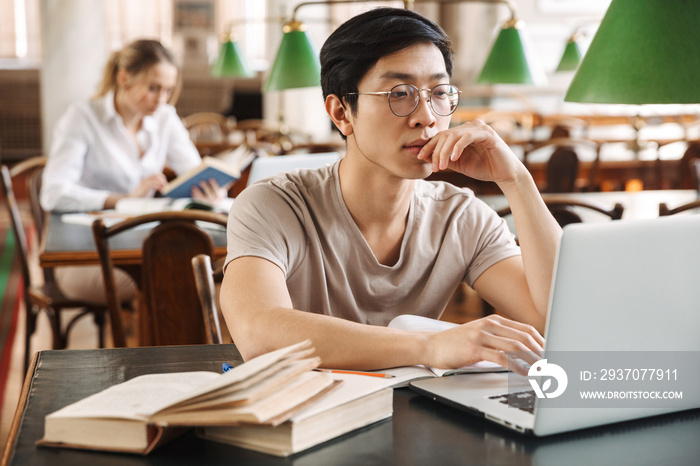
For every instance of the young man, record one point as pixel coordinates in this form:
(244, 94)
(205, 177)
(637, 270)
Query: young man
(334, 254)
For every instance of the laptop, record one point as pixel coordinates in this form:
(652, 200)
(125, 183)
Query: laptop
(620, 289)
(265, 167)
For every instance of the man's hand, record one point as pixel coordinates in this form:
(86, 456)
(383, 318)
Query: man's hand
(487, 339)
(473, 149)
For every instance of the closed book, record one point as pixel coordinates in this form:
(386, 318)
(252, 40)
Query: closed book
(141, 413)
(210, 169)
(358, 402)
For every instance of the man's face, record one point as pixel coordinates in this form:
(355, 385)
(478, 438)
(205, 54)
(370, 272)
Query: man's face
(389, 142)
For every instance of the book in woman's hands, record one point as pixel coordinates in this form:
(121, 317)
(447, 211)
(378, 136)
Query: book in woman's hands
(137, 415)
(210, 169)
(401, 376)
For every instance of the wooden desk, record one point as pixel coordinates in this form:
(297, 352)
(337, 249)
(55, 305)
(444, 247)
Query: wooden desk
(67, 244)
(421, 431)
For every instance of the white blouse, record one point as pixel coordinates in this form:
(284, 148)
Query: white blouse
(92, 154)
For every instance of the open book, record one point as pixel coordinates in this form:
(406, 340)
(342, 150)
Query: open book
(401, 376)
(137, 415)
(210, 169)
(358, 402)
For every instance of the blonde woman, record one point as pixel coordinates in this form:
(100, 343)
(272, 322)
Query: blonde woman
(116, 145)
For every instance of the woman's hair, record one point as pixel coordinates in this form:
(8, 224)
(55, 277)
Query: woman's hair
(357, 45)
(136, 58)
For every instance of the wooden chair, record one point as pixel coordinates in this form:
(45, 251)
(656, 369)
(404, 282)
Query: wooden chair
(563, 164)
(689, 168)
(170, 312)
(208, 126)
(44, 297)
(689, 207)
(281, 137)
(33, 169)
(567, 211)
(567, 127)
(509, 125)
(204, 280)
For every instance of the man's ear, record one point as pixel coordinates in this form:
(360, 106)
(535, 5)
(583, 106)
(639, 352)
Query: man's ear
(339, 114)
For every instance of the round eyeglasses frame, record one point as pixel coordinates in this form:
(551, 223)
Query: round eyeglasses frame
(418, 91)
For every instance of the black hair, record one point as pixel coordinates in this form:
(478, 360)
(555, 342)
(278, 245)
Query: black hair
(356, 46)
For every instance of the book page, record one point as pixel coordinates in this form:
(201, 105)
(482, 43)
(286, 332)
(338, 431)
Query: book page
(238, 158)
(425, 324)
(148, 205)
(419, 323)
(137, 398)
(248, 369)
(352, 387)
(405, 374)
(109, 217)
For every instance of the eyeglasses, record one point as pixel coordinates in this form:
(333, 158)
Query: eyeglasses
(403, 98)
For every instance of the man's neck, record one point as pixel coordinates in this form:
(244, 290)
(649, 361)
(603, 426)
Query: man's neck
(379, 203)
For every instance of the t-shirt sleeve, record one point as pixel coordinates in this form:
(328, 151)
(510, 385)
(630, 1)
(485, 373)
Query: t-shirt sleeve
(265, 221)
(494, 241)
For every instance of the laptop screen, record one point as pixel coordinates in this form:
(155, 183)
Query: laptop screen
(265, 167)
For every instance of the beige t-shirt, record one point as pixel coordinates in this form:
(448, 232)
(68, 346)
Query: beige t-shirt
(299, 222)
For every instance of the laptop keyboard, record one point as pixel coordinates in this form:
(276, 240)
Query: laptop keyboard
(524, 400)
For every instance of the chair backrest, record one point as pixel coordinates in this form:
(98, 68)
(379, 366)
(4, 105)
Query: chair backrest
(690, 206)
(688, 176)
(563, 163)
(17, 225)
(562, 170)
(208, 126)
(264, 167)
(171, 313)
(204, 280)
(566, 211)
(32, 170)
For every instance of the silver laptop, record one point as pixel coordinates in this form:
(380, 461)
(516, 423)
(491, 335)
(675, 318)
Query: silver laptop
(623, 289)
(265, 167)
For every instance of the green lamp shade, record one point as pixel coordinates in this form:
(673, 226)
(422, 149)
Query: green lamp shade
(296, 64)
(511, 61)
(571, 57)
(644, 52)
(231, 62)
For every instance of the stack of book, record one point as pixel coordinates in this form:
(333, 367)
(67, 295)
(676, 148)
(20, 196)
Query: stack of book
(275, 403)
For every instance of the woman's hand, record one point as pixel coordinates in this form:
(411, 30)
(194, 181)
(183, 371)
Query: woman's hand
(473, 149)
(149, 186)
(210, 192)
(488, 339)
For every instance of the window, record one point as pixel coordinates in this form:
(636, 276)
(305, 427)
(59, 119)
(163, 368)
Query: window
(19, 29)
(126, 20)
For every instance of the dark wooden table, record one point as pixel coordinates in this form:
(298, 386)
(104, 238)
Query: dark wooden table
(68, 244)
(421, 432)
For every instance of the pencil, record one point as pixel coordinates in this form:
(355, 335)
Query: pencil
(369, 374)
